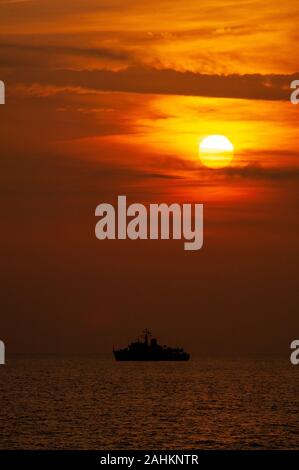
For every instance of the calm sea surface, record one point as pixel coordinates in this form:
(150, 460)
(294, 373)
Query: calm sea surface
(51, 402)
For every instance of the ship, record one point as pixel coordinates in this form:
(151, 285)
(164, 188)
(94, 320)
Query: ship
(148, 349)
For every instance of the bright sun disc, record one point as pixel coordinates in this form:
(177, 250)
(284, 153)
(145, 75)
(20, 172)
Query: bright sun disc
(216, 151)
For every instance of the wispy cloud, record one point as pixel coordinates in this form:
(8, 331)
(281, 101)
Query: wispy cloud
(44, 51)
(167, 82)
(258, 172)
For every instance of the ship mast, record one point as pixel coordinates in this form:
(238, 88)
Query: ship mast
(146, 334)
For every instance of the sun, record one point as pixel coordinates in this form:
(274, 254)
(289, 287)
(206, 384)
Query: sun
(216, 151)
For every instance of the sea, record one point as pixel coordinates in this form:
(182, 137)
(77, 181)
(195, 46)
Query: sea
(94, 402)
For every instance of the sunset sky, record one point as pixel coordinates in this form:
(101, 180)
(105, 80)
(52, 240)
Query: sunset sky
(113, 97)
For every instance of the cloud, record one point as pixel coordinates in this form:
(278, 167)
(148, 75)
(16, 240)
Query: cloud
(95, 52)
(168, 82)
(258, 172)
(38, 56)
(192, 173)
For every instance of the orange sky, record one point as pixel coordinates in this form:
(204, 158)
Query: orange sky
(113, 97)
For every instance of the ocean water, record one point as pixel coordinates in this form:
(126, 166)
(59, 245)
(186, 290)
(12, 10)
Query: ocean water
(93, 402)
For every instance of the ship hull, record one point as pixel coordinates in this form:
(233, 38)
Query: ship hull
(129, 356)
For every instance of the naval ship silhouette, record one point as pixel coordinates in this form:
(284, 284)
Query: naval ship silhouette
(149, 351)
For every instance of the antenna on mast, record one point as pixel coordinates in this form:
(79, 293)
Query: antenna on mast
(146, 334)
